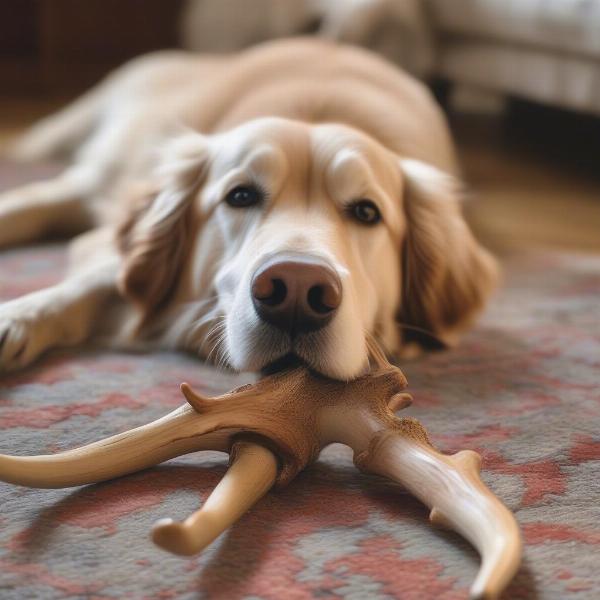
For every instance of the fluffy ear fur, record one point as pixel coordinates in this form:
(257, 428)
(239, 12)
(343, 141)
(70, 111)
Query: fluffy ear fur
(154, 238)
(447, 276)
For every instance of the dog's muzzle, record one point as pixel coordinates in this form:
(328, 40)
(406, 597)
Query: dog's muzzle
(296, 293)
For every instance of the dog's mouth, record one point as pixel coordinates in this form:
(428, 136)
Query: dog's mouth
(308, 350)
(288, 361)
(264, 349)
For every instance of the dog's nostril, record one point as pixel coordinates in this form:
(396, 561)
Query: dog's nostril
(323, 299)
(270, 291)
(279, 293)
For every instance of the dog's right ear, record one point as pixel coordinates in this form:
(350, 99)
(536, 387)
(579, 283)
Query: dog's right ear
(155, 236)
(447, 274)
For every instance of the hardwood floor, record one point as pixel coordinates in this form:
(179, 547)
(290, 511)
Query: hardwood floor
(17, 113)
(529, 184)
(523, 193)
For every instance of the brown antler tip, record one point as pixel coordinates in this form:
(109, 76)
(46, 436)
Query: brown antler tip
(172, 536)
(437, 519)
(195, 400)
(400, 401)
(469, 460)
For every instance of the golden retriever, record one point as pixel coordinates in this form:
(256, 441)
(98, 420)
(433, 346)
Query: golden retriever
(280, 203)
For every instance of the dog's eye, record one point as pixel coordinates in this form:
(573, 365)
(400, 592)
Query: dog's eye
(365, 211)
(244, 196)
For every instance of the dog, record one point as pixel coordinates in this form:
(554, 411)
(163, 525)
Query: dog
(280, 204)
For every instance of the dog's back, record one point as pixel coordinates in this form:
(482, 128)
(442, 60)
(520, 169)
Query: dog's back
(305, 79)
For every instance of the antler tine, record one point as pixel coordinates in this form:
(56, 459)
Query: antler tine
(198, 402)
(252, 473)
(451, 487)
(173, 435)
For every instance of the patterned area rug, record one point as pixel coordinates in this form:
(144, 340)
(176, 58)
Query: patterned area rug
(522, 390)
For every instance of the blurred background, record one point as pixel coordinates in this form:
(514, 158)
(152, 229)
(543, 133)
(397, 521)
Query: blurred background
(520, 82)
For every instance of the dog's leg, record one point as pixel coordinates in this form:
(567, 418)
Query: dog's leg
(62, 315)
(54, 206)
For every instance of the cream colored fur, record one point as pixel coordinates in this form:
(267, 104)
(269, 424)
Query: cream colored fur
(154, 149)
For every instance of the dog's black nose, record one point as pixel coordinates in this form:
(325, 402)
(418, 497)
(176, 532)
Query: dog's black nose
(296, 293)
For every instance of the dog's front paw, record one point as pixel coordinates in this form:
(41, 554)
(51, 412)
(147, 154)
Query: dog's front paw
(22, 338)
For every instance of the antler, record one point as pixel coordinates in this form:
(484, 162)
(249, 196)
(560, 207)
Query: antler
(451, 487)
(293, 415)
(399, 449)
(172, 435)
(204, 424)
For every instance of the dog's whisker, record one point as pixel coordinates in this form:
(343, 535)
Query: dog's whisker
(196, 336)
(222, 357)
(211, 337)
(205, 320)
(218, 328)
(216, 348)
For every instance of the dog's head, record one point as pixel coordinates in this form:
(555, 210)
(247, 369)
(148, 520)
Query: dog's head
(301, 239)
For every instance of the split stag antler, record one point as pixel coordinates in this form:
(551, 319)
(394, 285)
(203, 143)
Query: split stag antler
(273, 429)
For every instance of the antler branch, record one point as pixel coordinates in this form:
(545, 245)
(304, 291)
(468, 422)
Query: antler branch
(173, 435)
(252, 474)
(451, 487)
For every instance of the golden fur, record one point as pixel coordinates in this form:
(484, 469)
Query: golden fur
(156, 146)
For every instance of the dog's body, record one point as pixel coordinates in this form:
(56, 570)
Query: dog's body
(309, 203)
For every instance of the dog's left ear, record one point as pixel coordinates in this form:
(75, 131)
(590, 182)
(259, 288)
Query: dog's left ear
(155, 235)
(447, 276)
